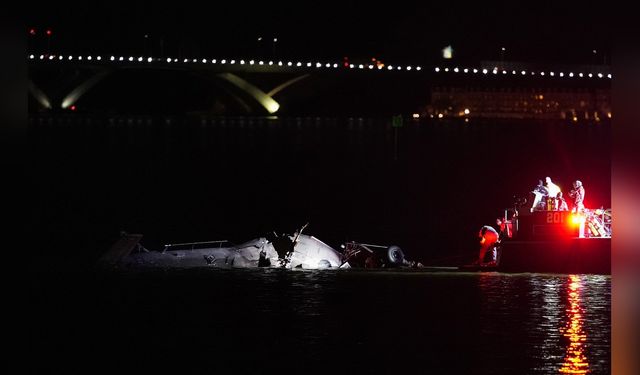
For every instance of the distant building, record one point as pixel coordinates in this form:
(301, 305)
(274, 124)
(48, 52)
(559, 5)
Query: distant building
(521, 96)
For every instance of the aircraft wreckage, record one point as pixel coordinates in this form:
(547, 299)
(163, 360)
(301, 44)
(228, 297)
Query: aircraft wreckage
(285, 251)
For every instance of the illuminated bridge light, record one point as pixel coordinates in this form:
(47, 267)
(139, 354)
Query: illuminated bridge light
(224, 61)
(399, 68)
(89, 58)
(455, 69)
(380, 67)
(214, 61)
(437, 69)
(609, 75)
(370, 67)
(259, 62)
(571, 74)
(513, 72)
(99, 58)
(168, 59)
(79, 57)
(523, 72)
(31, 57)
(122, 59)
(495, 71)
(408, 67)
(204, 61)
(60, 57)
(590, 75)
(289, 63)
(112, 58)
(475, 70)
(309, 65)
(389, 67)
(139, 59)
(504, 72)
(251, 62)
(298, 63)
(446, 69)
(599, 75)
(150, 59)
(580, 75)
(542, 73)
(318, 65)
(360, 66)
(552, 74)
(280, 63)
(270, 62)
(485, 71)
(328, 65)
(418, 68)
(466, 70)
(335, 65)
(50, 57)
(41, 57)
(561, 74)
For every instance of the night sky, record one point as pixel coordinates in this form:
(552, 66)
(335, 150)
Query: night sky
(540, 32)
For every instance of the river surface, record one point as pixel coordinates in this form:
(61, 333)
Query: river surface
(266, 320)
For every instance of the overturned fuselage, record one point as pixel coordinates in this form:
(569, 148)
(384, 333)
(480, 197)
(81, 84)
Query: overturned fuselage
(298, 251)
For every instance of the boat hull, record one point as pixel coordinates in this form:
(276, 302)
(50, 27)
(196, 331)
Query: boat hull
(570, 255)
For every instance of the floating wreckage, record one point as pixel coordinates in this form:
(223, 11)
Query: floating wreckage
(286, 251)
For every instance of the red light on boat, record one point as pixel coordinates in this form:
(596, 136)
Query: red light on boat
(577, 219)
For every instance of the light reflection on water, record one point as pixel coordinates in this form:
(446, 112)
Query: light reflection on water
(575, 361)
(360, 321)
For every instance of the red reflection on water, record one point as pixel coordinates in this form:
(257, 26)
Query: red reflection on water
(575, 361)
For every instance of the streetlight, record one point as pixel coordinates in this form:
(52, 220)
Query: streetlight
(145, 45)
(274, 47)
(48, 32)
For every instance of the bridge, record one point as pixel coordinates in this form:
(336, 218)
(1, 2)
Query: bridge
(65, 82)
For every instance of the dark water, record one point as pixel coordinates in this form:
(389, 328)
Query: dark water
(265, 321)
(179, 180)
(353, 179)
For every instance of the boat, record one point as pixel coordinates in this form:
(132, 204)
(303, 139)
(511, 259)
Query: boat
(552, 241)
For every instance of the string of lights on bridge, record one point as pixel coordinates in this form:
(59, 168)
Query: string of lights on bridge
(319, 65)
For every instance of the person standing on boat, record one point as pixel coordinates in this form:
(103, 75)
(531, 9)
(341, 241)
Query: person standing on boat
(488, 238)
(539, 192)
(552, 188)
(561, 204)
(578, 196)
